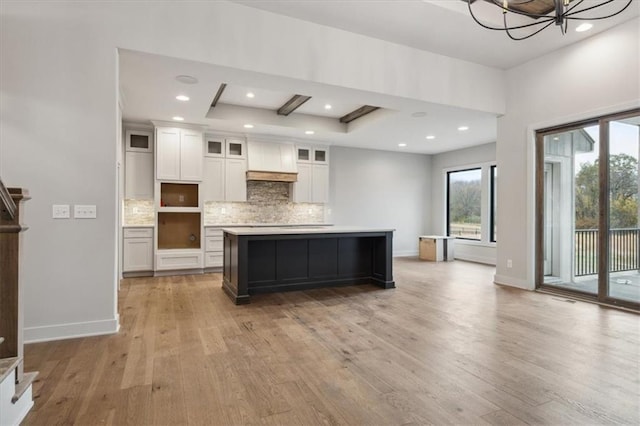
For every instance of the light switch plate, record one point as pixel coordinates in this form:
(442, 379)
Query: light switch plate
(85, 211)
(60, 211)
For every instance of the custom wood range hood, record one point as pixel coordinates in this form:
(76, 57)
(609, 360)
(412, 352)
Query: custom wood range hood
(272, 162)
(272, 176)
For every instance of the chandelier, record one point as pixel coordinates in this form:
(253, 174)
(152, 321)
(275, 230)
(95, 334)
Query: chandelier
(546, 13)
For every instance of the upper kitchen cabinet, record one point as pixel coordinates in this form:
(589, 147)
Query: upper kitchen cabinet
(321, 155)
(235, 148)
(214, 147)
(303, 154)
(312, 185)
(139, 141)
(138, 165)
(178, 154)
(138, 175)
(235, 179)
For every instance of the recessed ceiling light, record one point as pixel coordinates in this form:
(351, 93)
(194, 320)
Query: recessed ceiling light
(178, 118)
(419, 114)
(463, 128)
(327, 106)
(182, 98)
(402, 145)
(585, 26)
(431, 137)
(309, 132)
(187, 79)
(251, 95)
(248, 126)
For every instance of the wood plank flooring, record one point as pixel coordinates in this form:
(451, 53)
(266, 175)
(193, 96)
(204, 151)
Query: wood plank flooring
(447, 346)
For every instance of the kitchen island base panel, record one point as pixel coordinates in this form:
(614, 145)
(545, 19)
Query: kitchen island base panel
(259, 263)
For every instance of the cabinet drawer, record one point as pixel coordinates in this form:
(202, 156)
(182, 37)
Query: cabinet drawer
(182, 259)
(213, 244)
(213, 260)
(138, 232)
(212, 232)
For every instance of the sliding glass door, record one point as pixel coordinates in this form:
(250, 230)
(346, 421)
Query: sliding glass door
(587, 192)
(624, 209)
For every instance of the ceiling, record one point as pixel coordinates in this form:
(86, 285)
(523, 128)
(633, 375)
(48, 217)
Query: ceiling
(149, 87)
(440, 26)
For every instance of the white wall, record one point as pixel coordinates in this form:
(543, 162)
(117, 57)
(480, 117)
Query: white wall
(482, 155)
(599, 75)
(381, 189)
(58, 111)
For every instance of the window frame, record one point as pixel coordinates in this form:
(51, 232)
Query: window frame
(448, 202)
(493, 207)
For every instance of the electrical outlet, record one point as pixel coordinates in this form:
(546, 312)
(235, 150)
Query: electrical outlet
(84, 211)
(61, 211)
(223, 210)
(509, 263)
(181, 198)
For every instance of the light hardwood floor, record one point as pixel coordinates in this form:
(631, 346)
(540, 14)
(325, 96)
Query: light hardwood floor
(447, 346)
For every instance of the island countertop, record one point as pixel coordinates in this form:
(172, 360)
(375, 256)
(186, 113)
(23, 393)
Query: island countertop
(276, 230)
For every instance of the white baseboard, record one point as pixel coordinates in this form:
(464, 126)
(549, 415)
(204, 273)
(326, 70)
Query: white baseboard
(71, 330)
(513, 282)
(478, 259)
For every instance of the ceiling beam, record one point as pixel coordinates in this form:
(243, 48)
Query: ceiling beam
(364, 110)
(292, 104)
(218, 94)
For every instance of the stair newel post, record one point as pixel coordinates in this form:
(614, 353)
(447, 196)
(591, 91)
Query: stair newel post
(11, 312)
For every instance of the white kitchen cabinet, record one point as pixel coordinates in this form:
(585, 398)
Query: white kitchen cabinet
(235, 182)
(179, 154)
(214, 147)
(213, 179)
(302, 188)
(168, 153)
(167, 260)
(137, 250)
(303, 154)
(139, 141)
(138, 175)
(320, 183)
(191, 158)
(213, 247)
(320, 155)
(235, 148)
(313, 175)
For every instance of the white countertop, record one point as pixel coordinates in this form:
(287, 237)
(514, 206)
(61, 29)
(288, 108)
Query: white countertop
(262, 225)
(288, 230)
(127, 225)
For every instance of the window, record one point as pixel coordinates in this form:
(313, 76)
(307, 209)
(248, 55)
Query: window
(494, 204)
(464, 204)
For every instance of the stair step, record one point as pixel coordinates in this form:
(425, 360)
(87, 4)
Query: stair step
(7, 365)
(23, 385)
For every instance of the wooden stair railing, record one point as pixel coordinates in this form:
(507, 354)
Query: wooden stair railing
(11, 312)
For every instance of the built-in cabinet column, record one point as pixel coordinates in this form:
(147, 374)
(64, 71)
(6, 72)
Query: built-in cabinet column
(178, 200)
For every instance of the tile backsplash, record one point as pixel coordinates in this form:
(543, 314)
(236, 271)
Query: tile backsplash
(253, 212)
(267, 202)
(138, 212)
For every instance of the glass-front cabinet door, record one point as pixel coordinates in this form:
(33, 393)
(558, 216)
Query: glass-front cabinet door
(588, 214)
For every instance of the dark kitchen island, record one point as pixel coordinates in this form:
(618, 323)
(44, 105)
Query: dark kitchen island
(264, 260)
